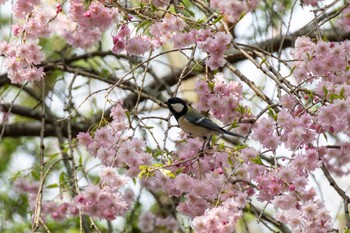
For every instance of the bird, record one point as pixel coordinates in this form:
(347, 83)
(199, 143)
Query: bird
(193, 122)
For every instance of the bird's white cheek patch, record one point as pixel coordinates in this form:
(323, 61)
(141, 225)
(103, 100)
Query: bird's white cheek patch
(177, 107)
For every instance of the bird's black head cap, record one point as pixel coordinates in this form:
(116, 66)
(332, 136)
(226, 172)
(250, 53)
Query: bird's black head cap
(177, 106)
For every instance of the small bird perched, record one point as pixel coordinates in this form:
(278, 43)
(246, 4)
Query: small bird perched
(193, 122)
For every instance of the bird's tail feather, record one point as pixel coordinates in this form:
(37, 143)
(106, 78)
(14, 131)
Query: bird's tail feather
(233, 134)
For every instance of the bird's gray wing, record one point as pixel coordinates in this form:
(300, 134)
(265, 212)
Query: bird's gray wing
(198, 119)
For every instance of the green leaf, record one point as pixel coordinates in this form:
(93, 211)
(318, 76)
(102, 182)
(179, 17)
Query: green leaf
(200, 21)
(257, 160)
(141, 174)
(158, 165)
(53, 156)
(311, 95)
(325, 91)
(240, 109)
(341, 93)
(214, 139)
(292, 70)
(62, 177)
(241, 16)
(234, 124)
(167, 173)
(143, 25)
(240, 147)
(218, 19)
(80, 160)
(15, 176)
(104, 73)
(179, 170)
(334, 96)
(156, 153)
(127, 113)
(149, 150)
(191, 13)
(55, 185)
(309, 56)
(65, 148)
(272, 113)
(144, 171)
(153, 7)
(221, 146)
(211, 85)
(263, 61)
(229, 160)
(35, 174)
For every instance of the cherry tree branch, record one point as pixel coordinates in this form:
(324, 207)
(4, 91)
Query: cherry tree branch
(261, 214)
(341, 193)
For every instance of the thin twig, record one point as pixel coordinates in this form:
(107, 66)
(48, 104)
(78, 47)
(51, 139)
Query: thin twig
(39, 197)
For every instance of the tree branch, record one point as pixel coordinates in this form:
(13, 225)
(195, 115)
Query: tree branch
(341, 193)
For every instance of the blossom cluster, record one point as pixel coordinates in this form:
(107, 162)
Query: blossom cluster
(57, 211)
(89, 24)
(325, 65)
(310, 2)
(335, 117)
(148, 222)
(174, 29)
(167, 27)
(220, 97)
(35, 27)
(104, 201)
(335, 158)
(311, 216)
(215, 46)
(344, 21)
(325, 61)
(161, 32)
(219, 219)
(112, 148)
(287, 190)
(233, 9)
(22, 8)
(21, 61)
(295, 128)
(82, 28)
(202, 182)
(137, 45)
